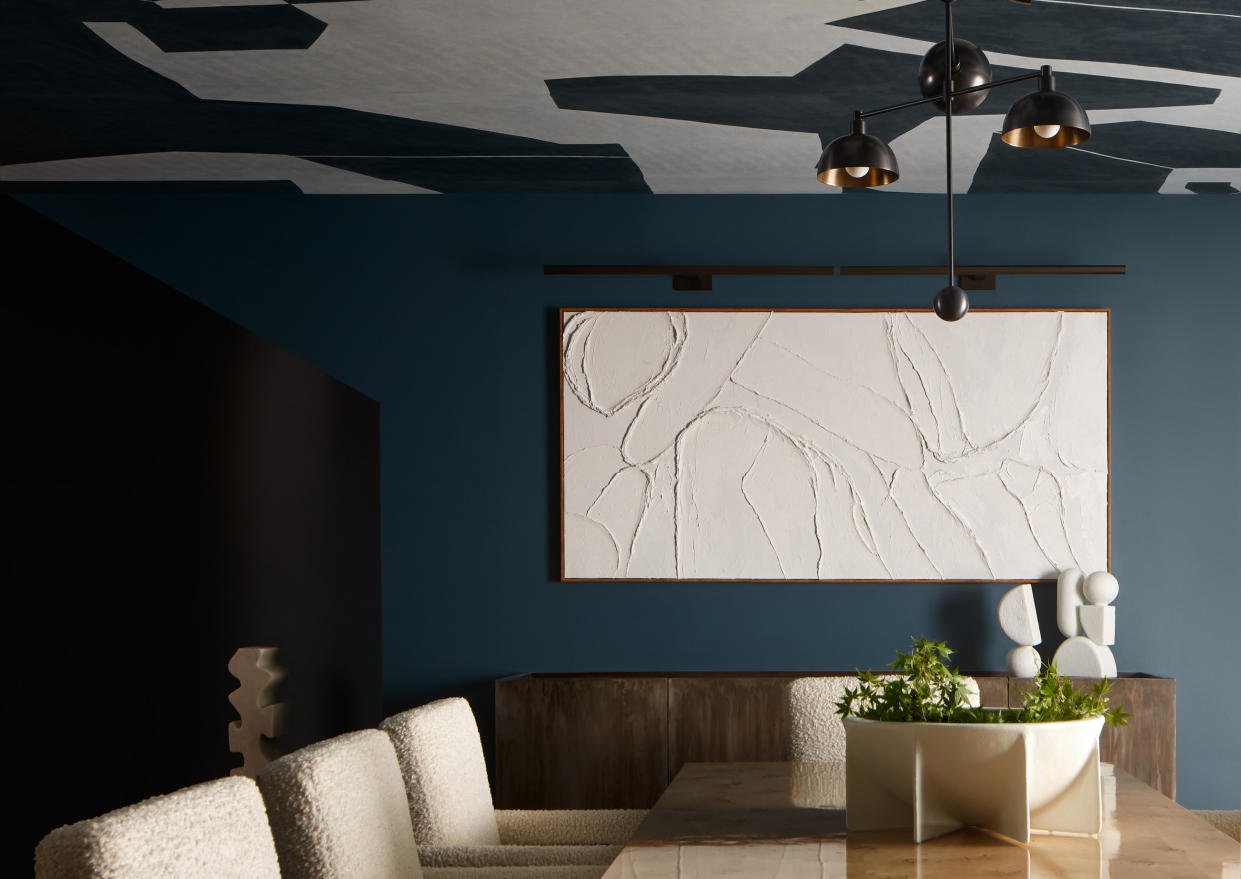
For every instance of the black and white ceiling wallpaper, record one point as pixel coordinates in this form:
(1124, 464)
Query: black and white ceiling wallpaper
(552, 96)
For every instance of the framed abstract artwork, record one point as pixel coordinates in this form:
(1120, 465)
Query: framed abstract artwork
(713, 444)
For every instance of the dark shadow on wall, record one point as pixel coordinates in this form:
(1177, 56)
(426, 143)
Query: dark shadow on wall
(965, 618)
(1045, 603)
(175, 487)
(555, 521)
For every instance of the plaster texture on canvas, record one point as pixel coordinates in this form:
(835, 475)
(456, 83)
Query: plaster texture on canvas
(833, 446)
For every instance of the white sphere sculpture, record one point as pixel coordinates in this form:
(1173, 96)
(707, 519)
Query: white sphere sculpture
(1023, 661)
(1100, 588)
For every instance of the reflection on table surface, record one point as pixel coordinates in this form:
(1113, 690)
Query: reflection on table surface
(787, 821)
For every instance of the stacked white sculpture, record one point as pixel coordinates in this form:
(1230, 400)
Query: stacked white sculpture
(1085, 616)
(1020, 622)
(1089, 627)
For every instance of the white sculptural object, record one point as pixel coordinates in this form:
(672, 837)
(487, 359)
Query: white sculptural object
(1024, 661)
(1079, 657)
(1098, 622)
(1100, 588)
(1068, 600)
(1089, 627)
(261, 717)
(1020, 622)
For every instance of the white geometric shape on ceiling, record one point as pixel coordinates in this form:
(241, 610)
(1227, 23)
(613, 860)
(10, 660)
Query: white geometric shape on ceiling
(485, 66)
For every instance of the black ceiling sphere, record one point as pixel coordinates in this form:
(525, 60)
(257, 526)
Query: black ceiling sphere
(951, 303)
(970, 68)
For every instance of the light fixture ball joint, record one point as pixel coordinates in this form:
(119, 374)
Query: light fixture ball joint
(970, 68)
(951, 303)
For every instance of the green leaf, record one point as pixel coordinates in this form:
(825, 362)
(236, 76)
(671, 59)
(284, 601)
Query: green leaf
(930, 690)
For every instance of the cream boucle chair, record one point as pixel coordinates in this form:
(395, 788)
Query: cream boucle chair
(455, 821)
(338, 811)
(216, 830)
(816, 731)
(1226, 821)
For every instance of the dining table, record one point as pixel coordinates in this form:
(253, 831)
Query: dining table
(788, 821)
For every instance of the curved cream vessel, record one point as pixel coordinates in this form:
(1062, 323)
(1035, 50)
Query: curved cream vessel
(1006, 777)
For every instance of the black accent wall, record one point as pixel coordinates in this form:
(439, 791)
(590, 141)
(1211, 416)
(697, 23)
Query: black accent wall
(174, 487)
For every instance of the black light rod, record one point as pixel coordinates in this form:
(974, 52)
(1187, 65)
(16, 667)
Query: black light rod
(977, 88)
(826, 270)
(686, 270)
(949, 46)
(983, 270)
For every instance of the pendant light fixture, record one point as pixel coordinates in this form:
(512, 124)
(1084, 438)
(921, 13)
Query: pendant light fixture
(955, 76)
(1046, 118)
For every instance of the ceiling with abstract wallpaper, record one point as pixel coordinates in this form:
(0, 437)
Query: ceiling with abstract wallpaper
(589, 96)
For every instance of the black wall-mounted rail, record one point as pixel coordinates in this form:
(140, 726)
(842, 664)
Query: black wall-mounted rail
(982, 277)
(689, 277)
(698, 278)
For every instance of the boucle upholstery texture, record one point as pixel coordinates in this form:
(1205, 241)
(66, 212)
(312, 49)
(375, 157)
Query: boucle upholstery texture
(441, 757)
(338, 811)
(816, 731)
(518, 855)
(216, 830)
(1228, 822)
(592, 872)
(568, 826)
(454, 821)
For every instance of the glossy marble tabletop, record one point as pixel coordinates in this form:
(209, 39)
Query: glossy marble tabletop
(786, 821)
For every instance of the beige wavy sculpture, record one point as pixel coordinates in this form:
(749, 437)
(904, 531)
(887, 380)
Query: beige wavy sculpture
(262, 719)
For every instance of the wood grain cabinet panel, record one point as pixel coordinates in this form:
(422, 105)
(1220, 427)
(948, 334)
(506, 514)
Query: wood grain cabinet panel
(617, 740)
(1146, 748)
(992, 691)
(723, 719)
(581, 742)
(726, 720)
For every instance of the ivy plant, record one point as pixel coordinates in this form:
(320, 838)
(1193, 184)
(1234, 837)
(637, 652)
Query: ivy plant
(926, 689)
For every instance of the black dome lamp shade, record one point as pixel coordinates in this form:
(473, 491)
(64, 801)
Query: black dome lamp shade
(955, 75)
(1046, 118)
(857, 159)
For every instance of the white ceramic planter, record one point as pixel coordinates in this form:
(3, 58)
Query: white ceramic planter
(1006, 777)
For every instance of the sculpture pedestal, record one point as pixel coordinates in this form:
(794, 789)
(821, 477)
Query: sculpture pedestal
(1006, 777)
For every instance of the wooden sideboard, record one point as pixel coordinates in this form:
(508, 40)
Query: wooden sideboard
(615, 740)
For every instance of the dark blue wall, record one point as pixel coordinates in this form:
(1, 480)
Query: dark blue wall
(436, 307)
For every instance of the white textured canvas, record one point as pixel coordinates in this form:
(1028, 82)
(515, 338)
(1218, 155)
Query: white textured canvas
(782, 445)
